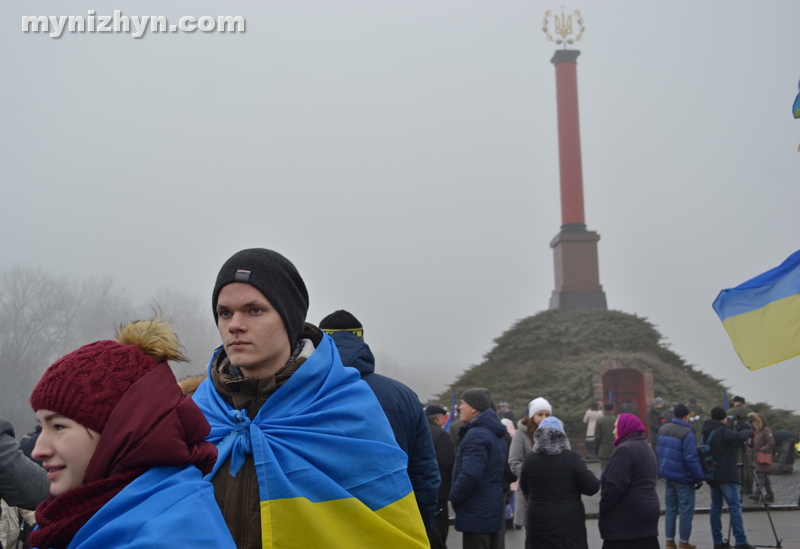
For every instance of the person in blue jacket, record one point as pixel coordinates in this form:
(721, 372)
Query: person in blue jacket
(477, 489)
(124, 449)
(679, 465)
(401, 405)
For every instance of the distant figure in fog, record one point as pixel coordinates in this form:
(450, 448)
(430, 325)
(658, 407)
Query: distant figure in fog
(590, 419)
(629, 506)
(553, 478)
(604, 434)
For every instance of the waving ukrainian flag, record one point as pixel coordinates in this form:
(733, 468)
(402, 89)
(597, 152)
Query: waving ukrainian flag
(762, 315)
(330, 473)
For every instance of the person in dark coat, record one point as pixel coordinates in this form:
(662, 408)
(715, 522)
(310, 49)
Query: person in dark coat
(477, 490)
(655, 419)
(629, 506)
(445, 457)
(399, 403)
(553, 478)
(725, 484)
(23, 483)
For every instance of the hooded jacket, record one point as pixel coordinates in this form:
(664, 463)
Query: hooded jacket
(554, 477)
(477, 491)
(407, 418)
(723, 448)
(678, 459)
(762, 442)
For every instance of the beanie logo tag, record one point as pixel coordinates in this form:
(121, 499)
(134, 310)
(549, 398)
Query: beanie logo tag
(242, 276)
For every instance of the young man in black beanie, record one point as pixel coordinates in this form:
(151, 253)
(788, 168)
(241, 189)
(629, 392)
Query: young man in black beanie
(401, 405)
(303, 445)
(477, 490)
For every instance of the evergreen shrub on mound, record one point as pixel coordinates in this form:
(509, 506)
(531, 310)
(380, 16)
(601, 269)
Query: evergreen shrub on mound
(554, 354)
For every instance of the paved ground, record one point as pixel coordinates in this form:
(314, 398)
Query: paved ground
(756, 523)
(784, 514)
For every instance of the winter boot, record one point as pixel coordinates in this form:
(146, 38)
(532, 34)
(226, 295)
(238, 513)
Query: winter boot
(670, 544)
(685, 545)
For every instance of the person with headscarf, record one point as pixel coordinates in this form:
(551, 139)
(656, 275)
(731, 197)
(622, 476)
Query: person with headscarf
(553, 478)
(124, 449)
(521, 446)
(629, 506)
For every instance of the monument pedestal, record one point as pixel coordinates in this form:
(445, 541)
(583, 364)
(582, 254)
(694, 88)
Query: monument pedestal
(576, 270)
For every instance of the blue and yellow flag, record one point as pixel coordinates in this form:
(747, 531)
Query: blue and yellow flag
(796, 108)
(762, 315)
(330, 473)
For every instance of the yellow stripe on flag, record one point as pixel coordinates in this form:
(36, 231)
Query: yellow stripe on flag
(342, 524)
(767, 335)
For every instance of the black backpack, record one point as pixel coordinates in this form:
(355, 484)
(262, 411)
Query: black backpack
(707, 461)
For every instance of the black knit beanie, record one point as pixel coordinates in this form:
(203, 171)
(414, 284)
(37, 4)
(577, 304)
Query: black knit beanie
(718, 413)
(478, 397)
(274, 276)
(681, 410)
(339, 320)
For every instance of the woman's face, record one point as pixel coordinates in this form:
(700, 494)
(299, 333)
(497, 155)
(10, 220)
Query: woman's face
(539, 416)
(64, 447)
(616, 435)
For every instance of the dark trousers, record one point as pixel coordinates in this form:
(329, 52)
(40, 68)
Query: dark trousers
(441, 526)
(480, 541)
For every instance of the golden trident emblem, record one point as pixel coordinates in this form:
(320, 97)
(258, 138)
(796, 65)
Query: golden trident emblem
(563, 27)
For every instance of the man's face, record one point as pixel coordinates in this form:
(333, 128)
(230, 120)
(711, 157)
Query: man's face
(440, 420)
(252, 331)
(660, 405)
(467, 412)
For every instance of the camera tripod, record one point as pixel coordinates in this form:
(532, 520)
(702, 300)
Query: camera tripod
(746, 461)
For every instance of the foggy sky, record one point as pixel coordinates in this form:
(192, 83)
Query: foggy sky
(404, 156)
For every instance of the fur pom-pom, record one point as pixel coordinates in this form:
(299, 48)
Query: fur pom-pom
(155, 337)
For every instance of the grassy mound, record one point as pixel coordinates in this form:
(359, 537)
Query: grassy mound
(554, 354)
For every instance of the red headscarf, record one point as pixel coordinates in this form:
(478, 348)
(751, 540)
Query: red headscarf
(627, 424)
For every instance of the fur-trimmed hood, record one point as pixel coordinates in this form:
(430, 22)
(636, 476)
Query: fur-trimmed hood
(759, 421)
(190, 384)
(550, 441)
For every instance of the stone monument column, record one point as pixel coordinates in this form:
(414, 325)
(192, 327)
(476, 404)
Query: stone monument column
(577, 273)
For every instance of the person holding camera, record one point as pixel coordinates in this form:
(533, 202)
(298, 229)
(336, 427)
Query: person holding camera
(724, 484)
(738, 420)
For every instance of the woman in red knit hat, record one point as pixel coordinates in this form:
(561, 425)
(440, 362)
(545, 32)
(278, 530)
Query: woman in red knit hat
(124, 449)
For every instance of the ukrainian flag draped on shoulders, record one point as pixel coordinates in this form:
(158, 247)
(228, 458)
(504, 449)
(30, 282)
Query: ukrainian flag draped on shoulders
(762, 315)
(330, 473)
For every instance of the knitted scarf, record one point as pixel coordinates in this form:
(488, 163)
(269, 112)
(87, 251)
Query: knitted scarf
(60, 518)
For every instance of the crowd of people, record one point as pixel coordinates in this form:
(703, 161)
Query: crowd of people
(291, 439)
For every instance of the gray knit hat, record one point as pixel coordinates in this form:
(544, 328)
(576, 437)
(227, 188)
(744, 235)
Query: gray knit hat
(478, 397)
(274, 276)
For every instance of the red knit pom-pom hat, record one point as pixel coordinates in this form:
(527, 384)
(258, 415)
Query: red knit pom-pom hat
(87, 384)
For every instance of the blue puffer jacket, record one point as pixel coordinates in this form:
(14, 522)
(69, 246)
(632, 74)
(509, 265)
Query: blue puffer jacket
(678, 460)
(477, 491)
(407, 418)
